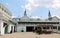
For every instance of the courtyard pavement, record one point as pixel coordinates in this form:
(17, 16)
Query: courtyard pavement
(30, 35)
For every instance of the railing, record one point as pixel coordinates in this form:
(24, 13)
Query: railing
(46, 29)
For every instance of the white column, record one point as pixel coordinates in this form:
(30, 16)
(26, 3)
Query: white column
(1, 28)
(34, 27)
(9, 28)
(16, 26)
(25, 28)
(50, 28)
(13, 28)
(57, 28)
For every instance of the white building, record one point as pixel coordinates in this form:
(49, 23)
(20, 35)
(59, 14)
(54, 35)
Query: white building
(25, 23)
(6, 23)
(28, 24)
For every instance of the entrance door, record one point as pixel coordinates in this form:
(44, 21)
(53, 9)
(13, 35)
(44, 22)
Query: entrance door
(11, 28)
(14, 29)
(29, 28)
(6, 29)
(5, 25)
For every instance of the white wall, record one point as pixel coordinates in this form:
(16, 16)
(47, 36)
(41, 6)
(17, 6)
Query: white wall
(23, 27)
(9, 27)
(19, 28)
(56, 30)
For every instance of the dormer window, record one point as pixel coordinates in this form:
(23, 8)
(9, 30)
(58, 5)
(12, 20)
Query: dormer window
(38, 19)
(50, 19)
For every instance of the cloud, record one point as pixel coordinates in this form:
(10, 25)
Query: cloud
(56, 4)
(34, 3)
(31, 4)
(28, 6)
(35, 17)
(13, 16)
(46, 3)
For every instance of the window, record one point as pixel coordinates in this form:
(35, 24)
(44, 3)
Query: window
(59, 28)
(47, 27)
(44, 27)
(55, 27)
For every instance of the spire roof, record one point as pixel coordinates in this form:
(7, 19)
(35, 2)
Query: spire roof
(25, 13)
(49, 14)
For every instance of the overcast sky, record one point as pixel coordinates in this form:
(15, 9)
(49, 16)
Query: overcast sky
(34, 8)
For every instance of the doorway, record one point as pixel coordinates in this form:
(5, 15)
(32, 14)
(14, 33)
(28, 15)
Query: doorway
(29, 28)
(6, 28)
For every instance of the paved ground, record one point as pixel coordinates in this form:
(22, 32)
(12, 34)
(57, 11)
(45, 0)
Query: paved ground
(30, 35)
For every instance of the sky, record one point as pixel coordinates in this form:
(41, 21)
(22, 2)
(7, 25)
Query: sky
(34, 8)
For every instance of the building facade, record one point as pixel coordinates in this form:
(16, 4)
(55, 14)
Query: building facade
(25, 23)
(6, 23)
(28, 24)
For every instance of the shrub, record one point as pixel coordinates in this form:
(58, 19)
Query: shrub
(33, 30)
(39, 30)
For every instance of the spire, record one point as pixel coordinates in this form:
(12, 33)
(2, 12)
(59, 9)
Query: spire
(49, 14)
(25, 13)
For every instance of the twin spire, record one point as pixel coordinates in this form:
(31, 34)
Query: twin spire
(49, 14)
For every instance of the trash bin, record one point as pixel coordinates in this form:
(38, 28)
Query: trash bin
(22, 30)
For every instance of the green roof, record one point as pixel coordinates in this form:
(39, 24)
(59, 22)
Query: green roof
(12, 22)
